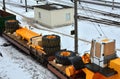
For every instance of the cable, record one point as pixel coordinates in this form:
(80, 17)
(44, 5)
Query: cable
(92, 22)
(102, 30)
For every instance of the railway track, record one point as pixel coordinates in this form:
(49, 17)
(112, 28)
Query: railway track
(103, 3)
(110, 2)
(105, 13)
(70, 4)
(100, 20)
(18, 5)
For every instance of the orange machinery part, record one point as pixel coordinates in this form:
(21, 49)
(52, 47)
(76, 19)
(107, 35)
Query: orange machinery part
(114, 64)
(70, 71)
(100, 76)
(26, 33)
(86, 58)
(65, 53)
(51, 37)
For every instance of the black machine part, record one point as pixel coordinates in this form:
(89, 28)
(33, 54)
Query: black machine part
(77, 62)
(64, 60)
(51, 44)
(105, 71)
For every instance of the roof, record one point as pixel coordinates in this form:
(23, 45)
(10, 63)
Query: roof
(53, 6)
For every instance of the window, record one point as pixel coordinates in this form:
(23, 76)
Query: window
(39, 14)
(67, 16)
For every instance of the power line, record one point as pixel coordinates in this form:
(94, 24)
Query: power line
(94, 23)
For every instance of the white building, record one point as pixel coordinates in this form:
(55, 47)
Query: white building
(54, 15)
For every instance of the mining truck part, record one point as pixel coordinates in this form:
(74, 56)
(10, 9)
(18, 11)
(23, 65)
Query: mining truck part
(50, 41)
(50, 51)
(86, 58)
(26, 33)
(99, 76)
(51, 44)
(11, 26)
(77, 62)
(75, 74)
(62, 57)
(4, 16)
(70, 71)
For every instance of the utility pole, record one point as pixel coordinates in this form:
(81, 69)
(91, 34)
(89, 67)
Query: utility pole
(26, 5)
(76, 26)
(75, 31)
(112, 4)
(4, 8)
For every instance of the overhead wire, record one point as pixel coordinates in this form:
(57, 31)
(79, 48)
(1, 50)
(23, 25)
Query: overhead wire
(94, 23)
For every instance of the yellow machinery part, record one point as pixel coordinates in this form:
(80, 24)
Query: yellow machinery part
(115, 64)
(51, 36)
(86, 58)
(89, 74)
(38, 48)
(100, 76)
(65, 53)
(26, 33)
(70, 71)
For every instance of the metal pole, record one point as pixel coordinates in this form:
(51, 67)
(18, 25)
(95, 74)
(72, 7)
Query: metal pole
(21, 1)
(112, 4)
(76, 26)
(4, 8)
(26, 5)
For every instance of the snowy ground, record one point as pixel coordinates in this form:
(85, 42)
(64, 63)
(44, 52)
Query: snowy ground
(16, 65)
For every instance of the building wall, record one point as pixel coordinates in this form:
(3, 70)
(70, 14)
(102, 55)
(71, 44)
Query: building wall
(45, 18)
(54, 18)
(62, 17)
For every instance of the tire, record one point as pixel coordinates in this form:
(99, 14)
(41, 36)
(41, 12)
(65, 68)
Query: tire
(11, 26)
(50, 51)
(64, 60)
(50, 42)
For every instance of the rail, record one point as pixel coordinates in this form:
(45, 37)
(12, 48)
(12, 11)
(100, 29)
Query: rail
(103, 3)
(100, 20)
(70, 4)
(90, 9)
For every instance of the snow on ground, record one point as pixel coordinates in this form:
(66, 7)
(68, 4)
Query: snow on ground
(16, 65)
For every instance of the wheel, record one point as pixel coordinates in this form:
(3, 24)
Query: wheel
(11, 26)
(62, 57)
(50, 41)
